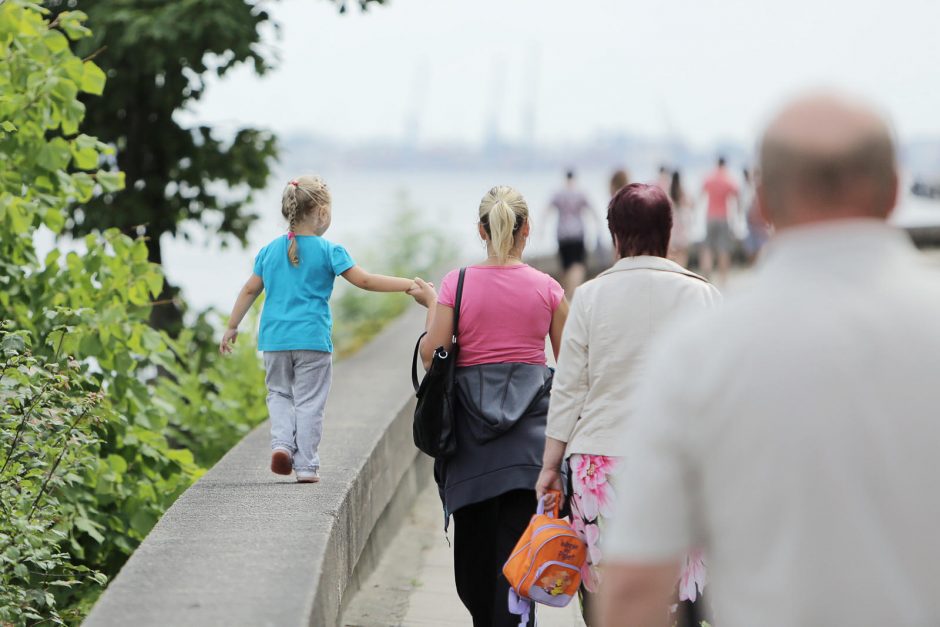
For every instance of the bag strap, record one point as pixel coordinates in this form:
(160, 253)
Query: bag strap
(520, 607)
(414, 362)
(457, 300)
(541, 507)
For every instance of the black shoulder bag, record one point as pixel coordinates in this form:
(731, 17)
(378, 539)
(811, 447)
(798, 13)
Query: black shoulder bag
(434, 428)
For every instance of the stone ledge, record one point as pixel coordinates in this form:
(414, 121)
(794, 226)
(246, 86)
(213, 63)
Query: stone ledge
(245, 547)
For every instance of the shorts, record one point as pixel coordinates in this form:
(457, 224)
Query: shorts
(571, 252)
(718, 236)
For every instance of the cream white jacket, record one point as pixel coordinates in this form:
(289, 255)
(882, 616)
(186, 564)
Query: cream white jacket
(613, 319)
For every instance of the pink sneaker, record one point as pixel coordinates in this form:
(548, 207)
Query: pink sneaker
(282, 462)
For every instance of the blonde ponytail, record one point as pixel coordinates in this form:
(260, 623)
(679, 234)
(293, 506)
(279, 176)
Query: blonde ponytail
(503, 211)
(302, 196)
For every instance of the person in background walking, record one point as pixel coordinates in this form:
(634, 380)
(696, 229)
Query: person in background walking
(613, 320)
(617, 180)
(720, 190)
(681, 221)
(663, 179)
(572, 206)
(747, 195)
(758, 230)
(507, 310)
(809, 476)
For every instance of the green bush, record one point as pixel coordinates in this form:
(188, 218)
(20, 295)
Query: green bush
(212, 401)
(48, 426)
(91, 439)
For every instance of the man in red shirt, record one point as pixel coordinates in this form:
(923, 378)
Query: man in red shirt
(720, 189)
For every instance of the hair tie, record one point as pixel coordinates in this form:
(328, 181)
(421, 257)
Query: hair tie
(290, 235)
(294, 183)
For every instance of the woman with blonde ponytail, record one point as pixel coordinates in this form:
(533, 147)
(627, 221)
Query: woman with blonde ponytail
(507, 309)
(298, 270)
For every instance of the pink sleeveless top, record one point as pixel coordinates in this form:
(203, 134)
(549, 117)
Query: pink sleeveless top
(505, 314)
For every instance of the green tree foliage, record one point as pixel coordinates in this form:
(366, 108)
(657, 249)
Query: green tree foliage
(47, 422)
(205, 391)
(89, 453)
(157, 55)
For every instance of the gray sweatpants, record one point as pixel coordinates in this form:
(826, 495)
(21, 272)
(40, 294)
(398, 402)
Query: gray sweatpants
(298, 385)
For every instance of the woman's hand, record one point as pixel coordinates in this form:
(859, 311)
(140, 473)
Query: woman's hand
(228, 340)
(423, 292)
(549, 482)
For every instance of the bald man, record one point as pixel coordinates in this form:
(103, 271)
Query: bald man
(804, 459)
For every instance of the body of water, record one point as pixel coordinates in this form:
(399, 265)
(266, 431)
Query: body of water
(366, 202)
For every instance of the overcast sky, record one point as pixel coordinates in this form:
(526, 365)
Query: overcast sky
(707, 70)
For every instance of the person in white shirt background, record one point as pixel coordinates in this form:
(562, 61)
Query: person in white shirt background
(792, 434)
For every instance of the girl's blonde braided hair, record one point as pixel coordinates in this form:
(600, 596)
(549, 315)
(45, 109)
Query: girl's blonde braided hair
(302, 196)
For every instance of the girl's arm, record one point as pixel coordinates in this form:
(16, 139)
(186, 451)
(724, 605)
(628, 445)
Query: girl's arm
(246, 298)
(376, 282)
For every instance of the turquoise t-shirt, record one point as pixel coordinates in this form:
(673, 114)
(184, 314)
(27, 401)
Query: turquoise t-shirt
(296, 314)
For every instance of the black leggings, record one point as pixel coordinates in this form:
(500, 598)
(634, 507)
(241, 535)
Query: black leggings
(484, 535)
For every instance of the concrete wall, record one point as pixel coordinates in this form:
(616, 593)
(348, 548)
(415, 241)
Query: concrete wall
(245, 547)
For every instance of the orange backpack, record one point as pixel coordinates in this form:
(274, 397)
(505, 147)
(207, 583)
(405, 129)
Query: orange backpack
(545, 566)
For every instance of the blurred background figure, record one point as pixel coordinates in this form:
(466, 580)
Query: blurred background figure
(747, 196)
(681, 221)
(758, 230)
(719, 190)
(663, 179)
(617, 180)
(809, 476)
(572, 207)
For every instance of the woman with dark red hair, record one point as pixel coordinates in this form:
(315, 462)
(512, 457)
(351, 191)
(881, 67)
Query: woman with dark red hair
(612, 321)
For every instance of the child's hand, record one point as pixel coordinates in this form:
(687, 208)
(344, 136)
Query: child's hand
(228, 340)
(423, 292)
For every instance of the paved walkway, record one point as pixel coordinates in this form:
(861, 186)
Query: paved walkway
(413, 585)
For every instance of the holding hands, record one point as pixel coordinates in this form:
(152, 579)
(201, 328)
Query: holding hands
(423, 292)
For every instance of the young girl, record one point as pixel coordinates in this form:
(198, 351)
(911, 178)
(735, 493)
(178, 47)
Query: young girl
(298, 271)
